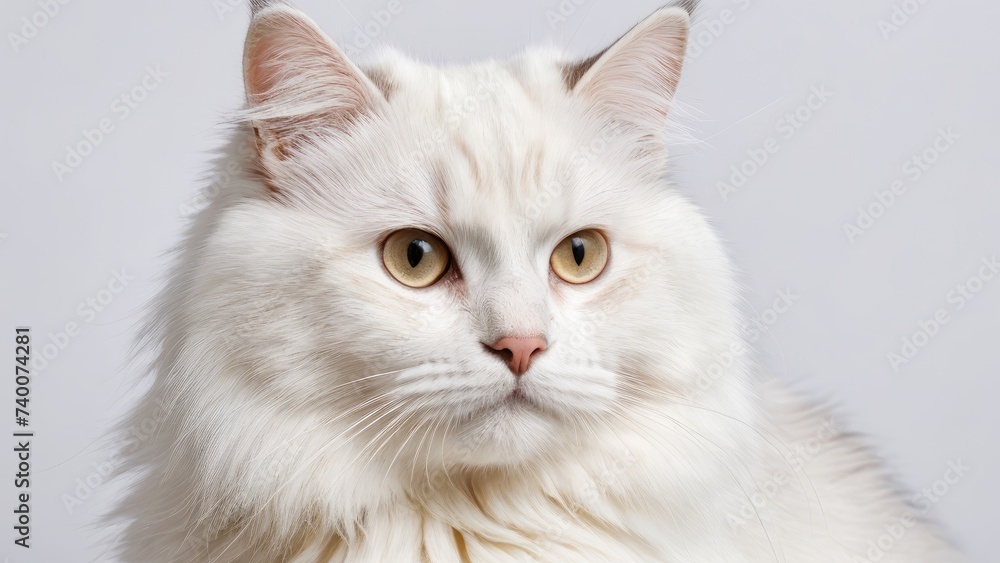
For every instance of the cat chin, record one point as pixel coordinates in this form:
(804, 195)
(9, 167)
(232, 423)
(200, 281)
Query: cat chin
(509, 433)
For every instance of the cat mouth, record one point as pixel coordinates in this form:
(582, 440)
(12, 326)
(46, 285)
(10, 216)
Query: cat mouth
(517, 398)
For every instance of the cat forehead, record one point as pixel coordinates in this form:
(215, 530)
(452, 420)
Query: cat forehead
(498, 104)
(537, 74)
(499, 137)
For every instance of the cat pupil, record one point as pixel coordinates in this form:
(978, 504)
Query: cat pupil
(578, 250)
(415, 252)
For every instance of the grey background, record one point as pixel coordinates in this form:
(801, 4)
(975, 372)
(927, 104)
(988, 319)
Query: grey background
(124, 205)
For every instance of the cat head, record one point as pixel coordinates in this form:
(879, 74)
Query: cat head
(486, 254)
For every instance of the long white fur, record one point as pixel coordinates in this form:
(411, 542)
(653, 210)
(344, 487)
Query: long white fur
(311, 408)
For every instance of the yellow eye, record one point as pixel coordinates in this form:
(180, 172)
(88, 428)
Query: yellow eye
(415, 258)
(580, 257)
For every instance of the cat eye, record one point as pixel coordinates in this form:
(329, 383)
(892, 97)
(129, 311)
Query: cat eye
(415, 258)
(580, 257)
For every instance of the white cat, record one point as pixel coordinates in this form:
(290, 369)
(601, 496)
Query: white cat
(458, 314)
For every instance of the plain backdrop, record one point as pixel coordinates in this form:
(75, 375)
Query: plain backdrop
(893, 88)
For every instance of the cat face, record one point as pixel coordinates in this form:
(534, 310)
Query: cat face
(483, 258)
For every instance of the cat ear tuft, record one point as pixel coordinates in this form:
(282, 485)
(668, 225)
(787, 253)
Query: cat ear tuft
(637, 76)
(297, 79)
(259, 5)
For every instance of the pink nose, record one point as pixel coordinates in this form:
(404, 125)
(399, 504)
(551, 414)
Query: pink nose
(518, 351)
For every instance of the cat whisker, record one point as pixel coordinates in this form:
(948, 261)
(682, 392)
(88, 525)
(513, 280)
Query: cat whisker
(399, 451)
(420, 448)
(392, 429)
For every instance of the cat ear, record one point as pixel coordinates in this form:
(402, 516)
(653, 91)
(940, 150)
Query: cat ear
(298, 80)
(636, 77)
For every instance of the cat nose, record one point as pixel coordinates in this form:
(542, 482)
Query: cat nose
(518, 351)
